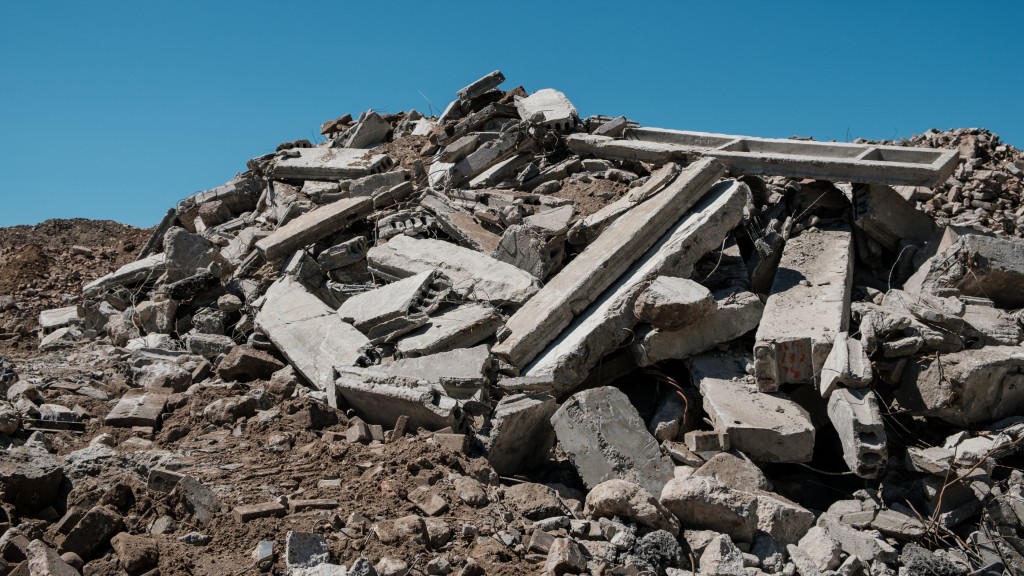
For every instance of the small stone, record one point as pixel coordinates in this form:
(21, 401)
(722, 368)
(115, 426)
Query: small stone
(565, 557)
(722, 558)
(471, 491)
(136, 553)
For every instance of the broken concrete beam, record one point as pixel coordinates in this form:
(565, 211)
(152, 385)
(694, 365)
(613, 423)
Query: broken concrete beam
(577, 285)
(389, 311)
(550, 108)
(604, 438)
(328, 163)
(977, 265)
(965, 388)
(374, 183)
(482, 158)
(520, 436)
(139, 407)
(857, 419)
(344, 254)
(156, 239)
(847, 364)
(808, 307)
(144, 270)
(474, 276)
(558, 171)
(460, 374)
(460, 327)
(476, 121)
(603, 326)
(987, 326)
(460, 224)
(768, 427)
(313, 226)
(309, 333)
(481, 85)
(585, 230)
(614, 127)
(888, 218)
(380, 403)
(735, 314)
(670, 303)
(831, 161)
(369, 131)
(501, 171)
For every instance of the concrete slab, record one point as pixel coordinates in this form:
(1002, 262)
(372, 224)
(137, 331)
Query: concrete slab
(551, 107)
(387, 312)
(670, 303)
(808, 307)
(577, 285)
(344, 254)
(603, 326)
(888, 218)
(328, 163)
(308, 332)
(832, 161)
(735, 314)
(551, 222)
(474, 276)
(313, 226)
(147, 269)
(521, 435)
(529, 250)
(369, 131)
(460, 224)
(858, 420)
(604, 438)
(384, 403)
(139, 407)
(50, 320)
(768, 427)
(460, 327)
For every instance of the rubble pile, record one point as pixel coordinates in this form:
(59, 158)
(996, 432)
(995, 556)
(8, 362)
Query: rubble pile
(509, 340)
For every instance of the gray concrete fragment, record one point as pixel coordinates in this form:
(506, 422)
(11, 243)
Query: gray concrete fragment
(375, 183)
(50, 320)
(847, 364)
(735, 314)
(578, 284)
(481, 159)
(369, 131)
(460, 224)
(888, 218)
(147, 269)
(700, 502)
(305, 550)
(139, 407)
(768, 427)
(481, 85)
(344, 254)
(807, 309)
(671, 303)
(987, 326)
(188, 254)
(460, 327)
(381, 403)
(474, 276)
(520, 435)
(966, 388)
(529, 250)
(629, 501)
(858, 420)
(551, 222)
(328, 163)
(548, 107)
(309, 333)
(587, 229)
(389, 311)
(722, 558)
(735, 472)
(976, 265)
(604, 437)
(314, 226)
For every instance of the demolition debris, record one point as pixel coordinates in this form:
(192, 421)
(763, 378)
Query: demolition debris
(508, 339)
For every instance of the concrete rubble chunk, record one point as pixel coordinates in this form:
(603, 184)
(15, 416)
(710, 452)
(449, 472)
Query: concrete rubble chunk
(587, 229)
(45, 561)
(976, 265)
(670, 303)
(734, 471)
(139, 407)
(629, 501)
(768, 427)
(550, 108)
(553, 222)
(50, 320)
(966, 388)
(308, 333)
(888, 218)
(328, 163)
(344, 254)
(460, 327)
(521, 435)
(313, 226)
(603, 326)
(856, 417)
(576, 286)
(474, 276)
(369, 131)
(460, 224)
(145, 270)
(734, 314)
(604, 437)
(481, 86)
(29, 479)
(847, 364)
(187, 254)
(389, 311)
(823, 550)
(809, 306)
(528, 249)
(703, 503)
(722, 558)
(564, 557)
(305, 550)
(93, 531)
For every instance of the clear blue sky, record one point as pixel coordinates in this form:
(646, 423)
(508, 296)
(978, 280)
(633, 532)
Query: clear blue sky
(119, 109)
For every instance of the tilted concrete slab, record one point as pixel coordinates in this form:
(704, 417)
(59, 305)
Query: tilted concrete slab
(143, 270)
(463, 326)
(577, 285)
(460, 224)
(833, 161)
(768, 427)
(888, 218)
(555, 111)
(389, 311)
(328, 163)
(520, 435)
(377, 403)
(481, 85)
(474, 276)
(313, 226)
(308, 332)
(458, 373)
(735, 314)
(605, 324)
(808, 307)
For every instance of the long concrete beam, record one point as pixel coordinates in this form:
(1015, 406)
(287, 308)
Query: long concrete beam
(313, 226)
(834, 161)
(548, 313)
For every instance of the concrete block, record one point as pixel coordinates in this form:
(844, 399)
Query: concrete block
(736, 472)
(986, 325)
(550, 108)
(308, 333)
(831, 161)
(188, 254)
(703, 503)
(460, 327)
(313, 226)
(565, 557)
(209, 345)
(847, 365)
(384, 403)
(671, 303)
(521, 435)
(249, 512)
(782, 519)
(147, 269)
(481, 85)
(530, 250)
(369, 131)
(976, 265)
(735, 313)
(808, 307)
(344, 254)
(328, 163)
(50, 320)
(605, 438)
(138, 407)
(487, 155)
(42, 560)
(305, 550)
(768, 427)
(474, 276)
(965, 388)
(29, 479)
(93, 531)
(389, 311)
(706, 443)
(629, 501)
(888, 218)
(460, 373)
(460, 224)
(551, 222)
(858, 420)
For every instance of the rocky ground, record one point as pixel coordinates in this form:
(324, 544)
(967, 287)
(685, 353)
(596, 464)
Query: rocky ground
(173, 423)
